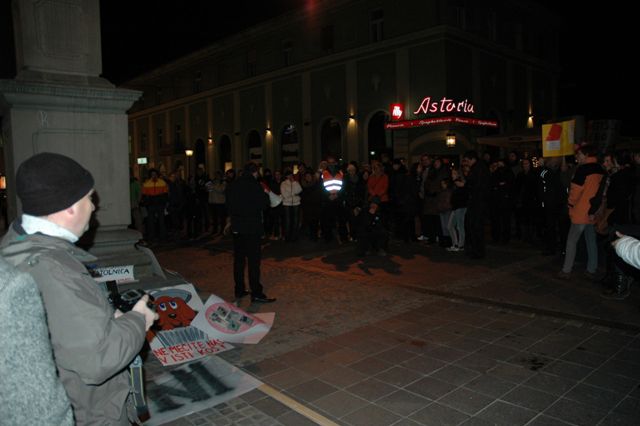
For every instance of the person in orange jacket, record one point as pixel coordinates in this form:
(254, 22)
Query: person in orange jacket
(584, 186)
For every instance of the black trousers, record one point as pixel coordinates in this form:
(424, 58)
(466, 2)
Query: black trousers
(474, 230)
(246, 247)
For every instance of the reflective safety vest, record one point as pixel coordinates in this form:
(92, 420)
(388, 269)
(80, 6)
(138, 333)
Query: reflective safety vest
(332, 183)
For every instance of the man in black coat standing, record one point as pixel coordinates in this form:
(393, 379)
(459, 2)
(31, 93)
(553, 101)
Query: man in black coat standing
(478, 186)
(246, 200)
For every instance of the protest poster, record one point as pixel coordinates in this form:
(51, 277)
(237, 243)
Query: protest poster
(558, 138)
(225, 321)
(173, 339)
(188, 388)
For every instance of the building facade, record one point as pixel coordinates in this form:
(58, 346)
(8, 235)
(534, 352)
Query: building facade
(323, 79)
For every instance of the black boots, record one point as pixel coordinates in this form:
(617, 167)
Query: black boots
(619, 287)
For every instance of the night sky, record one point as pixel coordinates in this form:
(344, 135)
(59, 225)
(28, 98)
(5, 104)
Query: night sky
(598, 78)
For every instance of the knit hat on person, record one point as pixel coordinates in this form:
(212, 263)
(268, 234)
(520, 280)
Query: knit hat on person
(48, 183)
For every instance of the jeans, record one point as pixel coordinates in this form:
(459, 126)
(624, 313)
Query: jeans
(575, 231)
(456, 226)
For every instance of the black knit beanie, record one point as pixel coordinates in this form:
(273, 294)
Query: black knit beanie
(48, 183)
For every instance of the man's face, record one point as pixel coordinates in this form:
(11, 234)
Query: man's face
(607, 163)
(425, 160)
(82, 214)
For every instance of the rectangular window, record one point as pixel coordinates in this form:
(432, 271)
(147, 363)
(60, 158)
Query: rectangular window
(461, 17)
(251, 63)
(287, 48)
(197, 82)
(327, 39)
(377, 25)
(493, 25)
(159, 140)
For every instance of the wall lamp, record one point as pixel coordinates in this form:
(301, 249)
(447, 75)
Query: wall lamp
(268, 129)
(210, 140)
(451, 140)
(188, 152)
(352, 116)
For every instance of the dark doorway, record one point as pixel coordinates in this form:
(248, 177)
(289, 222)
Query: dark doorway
(331, 139)
(224, 159)
(254, 147)
(200, 153)
(377, 138)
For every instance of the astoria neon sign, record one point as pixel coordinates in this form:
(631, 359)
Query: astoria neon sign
(437, 106)
(444, 105)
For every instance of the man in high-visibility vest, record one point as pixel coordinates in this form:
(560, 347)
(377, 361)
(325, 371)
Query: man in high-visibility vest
(332, 202)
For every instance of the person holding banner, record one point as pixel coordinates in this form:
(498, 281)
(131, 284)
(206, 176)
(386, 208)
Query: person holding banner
(93, 345)
(584, 186)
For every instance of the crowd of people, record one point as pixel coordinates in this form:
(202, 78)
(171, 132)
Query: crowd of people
(545, 202)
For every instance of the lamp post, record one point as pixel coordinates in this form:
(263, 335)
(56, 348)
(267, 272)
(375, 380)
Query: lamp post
(189, 154)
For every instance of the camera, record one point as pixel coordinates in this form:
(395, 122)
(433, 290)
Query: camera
(127, 300)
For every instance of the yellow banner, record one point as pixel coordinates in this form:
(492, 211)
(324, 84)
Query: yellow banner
(558, 138)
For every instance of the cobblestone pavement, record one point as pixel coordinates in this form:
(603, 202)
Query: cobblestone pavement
(423, 336)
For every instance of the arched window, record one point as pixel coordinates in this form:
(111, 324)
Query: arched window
(331, 139)
(290, 148)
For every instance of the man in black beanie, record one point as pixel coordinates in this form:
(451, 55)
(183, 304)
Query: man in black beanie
(93, 344)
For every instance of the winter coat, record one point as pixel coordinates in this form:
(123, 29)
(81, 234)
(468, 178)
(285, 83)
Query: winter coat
(628, 248)
(246, 200)
(290, 191)
(584, 186)
(216, 191)
(443, 201)
(311, 200)
(92, 348)
(31, 391)
(378, 186)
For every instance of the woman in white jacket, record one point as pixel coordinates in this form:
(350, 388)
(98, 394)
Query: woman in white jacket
(290, 190)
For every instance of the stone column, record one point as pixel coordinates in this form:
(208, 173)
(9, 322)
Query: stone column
(59, 103)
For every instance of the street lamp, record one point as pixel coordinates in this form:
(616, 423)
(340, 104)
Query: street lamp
(189, 154)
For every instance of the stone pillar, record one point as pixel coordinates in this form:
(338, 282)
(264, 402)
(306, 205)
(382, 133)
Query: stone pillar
(59, 103)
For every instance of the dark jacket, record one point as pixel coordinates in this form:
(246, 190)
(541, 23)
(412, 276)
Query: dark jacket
(246, 200)
(92, 348)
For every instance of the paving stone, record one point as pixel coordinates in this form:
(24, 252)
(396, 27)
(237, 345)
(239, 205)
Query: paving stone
(344, 356)
(341, 377)
(447, 354)
(478, 363)
(605, 380)
(582, 357)
(311, 390)
(575, 412)
(596, 397)
(340, 403)
(271, 407)
(288, 378)
(466, 401)
(490, 385)
(399, 376)
(549, 383)
(542, 420)
(629, 406)
(430, 387)
(371, 415)
(569, 370)
(265, 367)
(438, 415)
(403, 403)
(291, 418)
(455, 375)
(371, 389)
(424, 364)
(370, 366)
(530, 398)
(617, 419)
(503, 413)
(511, 372)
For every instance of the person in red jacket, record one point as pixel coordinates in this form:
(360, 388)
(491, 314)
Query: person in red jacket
(584, 187)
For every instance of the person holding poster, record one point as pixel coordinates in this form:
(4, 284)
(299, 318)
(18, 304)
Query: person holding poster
(93, 345)
(584, 186)
(246, 199)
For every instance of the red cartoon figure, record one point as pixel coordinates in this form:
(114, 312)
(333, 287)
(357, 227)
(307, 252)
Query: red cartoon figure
(173, 311)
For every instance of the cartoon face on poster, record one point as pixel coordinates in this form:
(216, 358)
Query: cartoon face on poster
(227, 322)
(173, 339)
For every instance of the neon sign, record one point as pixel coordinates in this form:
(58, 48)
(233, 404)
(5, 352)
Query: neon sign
(396, 112)
(444, 105)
